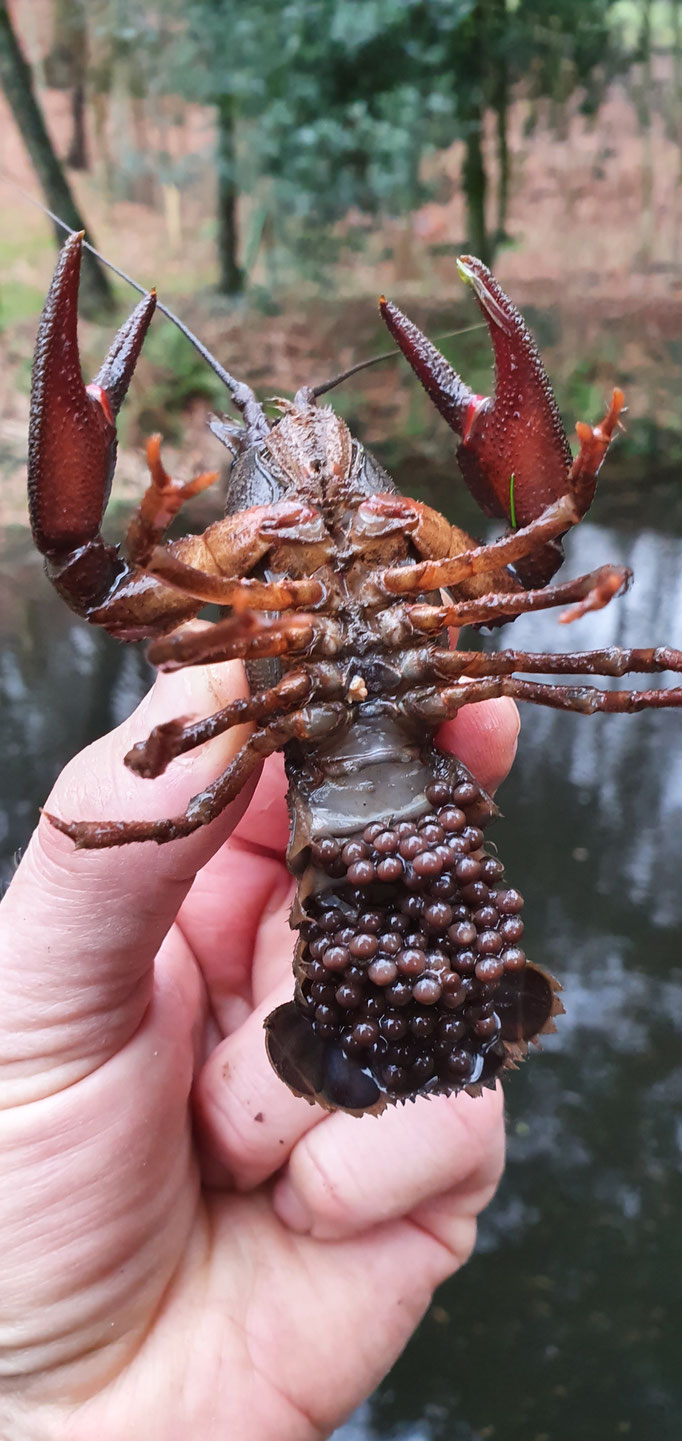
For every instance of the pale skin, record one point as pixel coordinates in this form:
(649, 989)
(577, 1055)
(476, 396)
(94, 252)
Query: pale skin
(187, 1251)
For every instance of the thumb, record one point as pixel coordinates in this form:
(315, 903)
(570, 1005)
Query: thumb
(79, 929)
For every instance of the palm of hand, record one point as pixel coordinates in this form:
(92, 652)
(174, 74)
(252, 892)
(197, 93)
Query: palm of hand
(190, 1251)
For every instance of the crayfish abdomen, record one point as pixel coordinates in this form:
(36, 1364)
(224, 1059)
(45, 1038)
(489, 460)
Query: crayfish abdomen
(410, 978)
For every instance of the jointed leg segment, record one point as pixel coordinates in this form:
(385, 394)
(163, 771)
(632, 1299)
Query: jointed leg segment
(223, 590)
(160, 503)
(247, 637)
(591, 592)
(613, 661)
(314, 723)
(151, 757)
(429, 575)
(436, 706)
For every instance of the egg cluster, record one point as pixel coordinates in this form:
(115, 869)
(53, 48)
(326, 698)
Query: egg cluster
(409, 948)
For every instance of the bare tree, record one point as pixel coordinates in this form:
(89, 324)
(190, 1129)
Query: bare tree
(17, 83)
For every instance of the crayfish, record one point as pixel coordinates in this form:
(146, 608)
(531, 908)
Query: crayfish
(409, 974)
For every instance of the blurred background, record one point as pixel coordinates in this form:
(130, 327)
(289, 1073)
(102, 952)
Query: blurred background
(271, 167)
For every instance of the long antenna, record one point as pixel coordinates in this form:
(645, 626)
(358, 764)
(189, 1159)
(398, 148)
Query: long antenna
(387, 355)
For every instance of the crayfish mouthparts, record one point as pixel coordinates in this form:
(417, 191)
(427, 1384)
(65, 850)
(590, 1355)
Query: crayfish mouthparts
(410, 976)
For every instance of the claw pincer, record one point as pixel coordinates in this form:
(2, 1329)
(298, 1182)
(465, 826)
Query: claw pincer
(514, 453)
(72, 444)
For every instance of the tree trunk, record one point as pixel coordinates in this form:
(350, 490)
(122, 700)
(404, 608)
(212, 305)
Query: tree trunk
(676, 127)
(499, 99)
(77, 156)
(77, 38)
(230, 275)
(66, 69)
(475, 185)
(643, 93)
(16, 81)
(474, 179)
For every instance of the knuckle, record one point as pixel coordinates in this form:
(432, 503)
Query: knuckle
(325, 1181)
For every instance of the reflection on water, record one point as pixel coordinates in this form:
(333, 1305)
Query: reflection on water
(61, 684)
(567, 1322)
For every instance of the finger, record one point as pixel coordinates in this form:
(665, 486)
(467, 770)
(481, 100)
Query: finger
(232, 898)
(349, 1175)
(363, 1297)
(249, 1120)
(250, 870)
(484, 737)
(266, 823)
(79, 929)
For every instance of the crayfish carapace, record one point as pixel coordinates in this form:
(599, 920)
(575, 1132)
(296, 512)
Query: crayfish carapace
(410, 978)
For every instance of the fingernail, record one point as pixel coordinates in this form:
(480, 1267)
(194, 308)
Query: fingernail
(516, 713)
(204, 688)
(290, 1209)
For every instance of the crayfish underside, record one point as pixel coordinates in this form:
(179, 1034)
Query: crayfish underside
(410, 976)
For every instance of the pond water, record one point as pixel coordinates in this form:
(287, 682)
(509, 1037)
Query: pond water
(567, 1321)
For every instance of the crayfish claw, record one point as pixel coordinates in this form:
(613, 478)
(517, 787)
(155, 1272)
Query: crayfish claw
(457, 403)
(115, 375)
(514, 453)
(69, 429)
(72, 446)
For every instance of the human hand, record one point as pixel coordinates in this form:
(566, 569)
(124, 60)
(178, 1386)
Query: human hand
(187, 1251)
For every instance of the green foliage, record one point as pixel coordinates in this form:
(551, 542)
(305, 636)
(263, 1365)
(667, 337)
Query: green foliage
(335, 101)
(170, 375)
(565, 46)
(19, 301)
(327, 109)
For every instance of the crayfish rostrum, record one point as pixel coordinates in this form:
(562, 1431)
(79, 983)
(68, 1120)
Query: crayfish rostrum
(410, 978)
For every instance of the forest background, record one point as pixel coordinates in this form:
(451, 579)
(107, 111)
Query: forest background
(272, 166)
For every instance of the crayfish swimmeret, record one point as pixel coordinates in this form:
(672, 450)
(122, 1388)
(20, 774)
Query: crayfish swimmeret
(410, 978)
